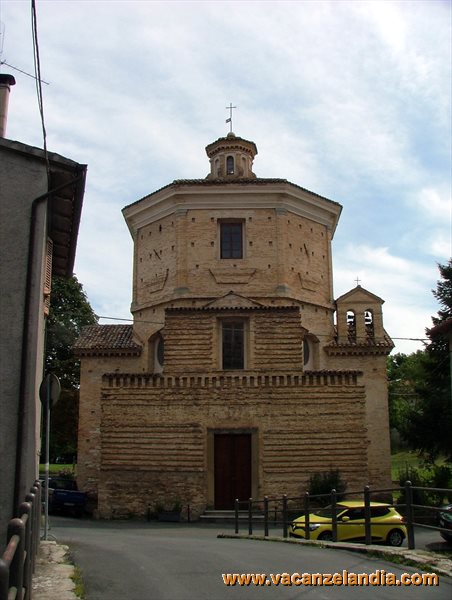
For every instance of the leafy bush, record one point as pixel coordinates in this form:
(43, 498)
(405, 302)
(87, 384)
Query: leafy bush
(418, 479)
(323, 483)
(434, 476)
(65, 474)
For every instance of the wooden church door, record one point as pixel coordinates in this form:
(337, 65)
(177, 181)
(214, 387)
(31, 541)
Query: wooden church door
(232, 468)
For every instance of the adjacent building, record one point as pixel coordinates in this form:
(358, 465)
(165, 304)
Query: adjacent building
(241, 374)
(41, 198)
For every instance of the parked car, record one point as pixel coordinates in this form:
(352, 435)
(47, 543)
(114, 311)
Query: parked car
(387, 525)
(65, 497)
(445, 522)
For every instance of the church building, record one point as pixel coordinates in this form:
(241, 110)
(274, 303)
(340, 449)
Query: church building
(241, 375)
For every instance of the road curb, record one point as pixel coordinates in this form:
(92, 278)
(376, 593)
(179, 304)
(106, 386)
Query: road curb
(427, 561)
(52, 579)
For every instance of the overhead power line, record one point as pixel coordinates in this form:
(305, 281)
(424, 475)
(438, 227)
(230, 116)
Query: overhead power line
(409, 339)
(37, 64)
(130, 320)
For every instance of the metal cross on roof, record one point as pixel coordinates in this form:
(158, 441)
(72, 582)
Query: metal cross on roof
(230, 108)
(358, 281)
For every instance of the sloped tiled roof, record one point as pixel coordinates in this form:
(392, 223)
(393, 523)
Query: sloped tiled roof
(383, 346)
(208, 308)
(66, 190)
(262, 181)
(107, 339)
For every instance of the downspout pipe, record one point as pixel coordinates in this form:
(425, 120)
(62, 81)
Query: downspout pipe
(37, 202)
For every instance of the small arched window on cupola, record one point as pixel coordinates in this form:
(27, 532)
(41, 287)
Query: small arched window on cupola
(230, 165)
(351, 326)
(369, 323)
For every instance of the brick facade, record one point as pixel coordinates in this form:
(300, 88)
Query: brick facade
(309, 391)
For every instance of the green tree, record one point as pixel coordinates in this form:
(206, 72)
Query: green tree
(405, 372)
(443, 293)
(69, 312)
(427, 424)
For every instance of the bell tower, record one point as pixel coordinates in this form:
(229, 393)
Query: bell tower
(360, 318)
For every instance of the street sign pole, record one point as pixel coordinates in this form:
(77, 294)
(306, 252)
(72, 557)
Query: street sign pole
(47, 463)
(49, 392)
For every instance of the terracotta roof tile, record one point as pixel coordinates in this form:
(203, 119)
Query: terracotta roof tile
(259, 181)
(106, 339)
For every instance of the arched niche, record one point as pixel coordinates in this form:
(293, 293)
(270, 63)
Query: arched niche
(156, 353)
(310, 352)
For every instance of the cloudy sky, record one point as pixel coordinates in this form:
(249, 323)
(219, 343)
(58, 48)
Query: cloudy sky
(349, 99)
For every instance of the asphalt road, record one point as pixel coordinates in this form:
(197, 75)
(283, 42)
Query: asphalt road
(156, 561)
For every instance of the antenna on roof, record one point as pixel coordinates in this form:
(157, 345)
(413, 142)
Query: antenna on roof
(2, 37)
(3, 62)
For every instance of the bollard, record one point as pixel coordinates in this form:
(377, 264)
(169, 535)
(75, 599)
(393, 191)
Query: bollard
(334, 514)
(367, 524)
(409, 515)
(284, 505)
(266, 516)
(307, 534)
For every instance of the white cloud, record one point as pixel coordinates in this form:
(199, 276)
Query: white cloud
(435, 205)
(441, 246)
(349, 99)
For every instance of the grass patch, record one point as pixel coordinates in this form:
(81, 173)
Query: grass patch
(55, 469)
(400, 559)
(401, 461)
(79, 589)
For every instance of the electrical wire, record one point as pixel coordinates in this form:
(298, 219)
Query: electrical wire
(409, 339)
(130, 320)
(37, 66)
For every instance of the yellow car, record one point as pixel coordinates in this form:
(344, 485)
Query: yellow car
(387, 525)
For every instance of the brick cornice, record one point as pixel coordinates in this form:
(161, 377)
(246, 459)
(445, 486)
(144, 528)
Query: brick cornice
(245, 194)
(359, 349)
(221, 379)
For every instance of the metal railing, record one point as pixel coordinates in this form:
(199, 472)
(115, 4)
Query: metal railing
(17, 563)
(279, 511)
